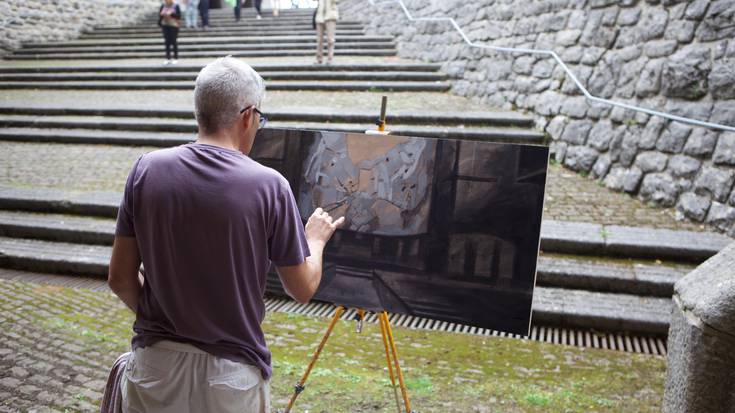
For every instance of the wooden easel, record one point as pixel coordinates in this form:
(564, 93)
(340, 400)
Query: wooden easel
(391, 357)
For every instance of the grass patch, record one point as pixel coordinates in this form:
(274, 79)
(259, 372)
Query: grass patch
(444, 372)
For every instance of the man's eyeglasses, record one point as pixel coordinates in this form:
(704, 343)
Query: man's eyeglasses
(263, 118)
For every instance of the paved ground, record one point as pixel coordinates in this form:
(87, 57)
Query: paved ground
(570, 196)
(58, 343)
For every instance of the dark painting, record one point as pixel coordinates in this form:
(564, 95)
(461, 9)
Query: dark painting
(437, 228)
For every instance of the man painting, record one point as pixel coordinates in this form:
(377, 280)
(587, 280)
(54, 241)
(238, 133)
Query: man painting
(206, 221)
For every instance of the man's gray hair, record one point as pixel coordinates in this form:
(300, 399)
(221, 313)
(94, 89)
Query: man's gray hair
(224, 88)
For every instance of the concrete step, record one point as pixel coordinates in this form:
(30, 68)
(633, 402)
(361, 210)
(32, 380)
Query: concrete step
(95, 204)
(260, 67)
(498, 118)
(215, 31)
(57, 227)
(86, 136)
(606, 275)
(556, 306)
(272, 52)
(601, 311)
(552, 271)
(200, 41)
(191, 76)
(222, 28)
(90, 135)
(104, 204)
(140, 137)
(331, 85)
(192, 47)
(230, 24)
(616, 240)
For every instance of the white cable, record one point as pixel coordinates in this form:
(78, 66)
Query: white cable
(556, 57)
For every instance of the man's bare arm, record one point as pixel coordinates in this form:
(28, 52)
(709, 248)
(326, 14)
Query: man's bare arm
(301, 281)
(124, 278)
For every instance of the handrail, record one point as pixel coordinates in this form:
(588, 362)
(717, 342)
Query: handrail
(553, 54)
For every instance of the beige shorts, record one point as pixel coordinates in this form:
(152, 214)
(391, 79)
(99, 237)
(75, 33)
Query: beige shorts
(180, 378)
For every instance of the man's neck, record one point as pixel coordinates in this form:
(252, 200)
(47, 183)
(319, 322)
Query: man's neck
(223, 140)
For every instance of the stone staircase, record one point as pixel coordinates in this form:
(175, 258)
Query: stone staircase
(590, 276)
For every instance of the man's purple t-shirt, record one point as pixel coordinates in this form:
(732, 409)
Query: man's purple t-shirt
(208, 222)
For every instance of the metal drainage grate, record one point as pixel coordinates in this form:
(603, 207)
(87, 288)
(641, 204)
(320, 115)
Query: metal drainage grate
(548, 334)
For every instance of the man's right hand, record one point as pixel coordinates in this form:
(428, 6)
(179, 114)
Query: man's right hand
(301, 281)
(320, 227)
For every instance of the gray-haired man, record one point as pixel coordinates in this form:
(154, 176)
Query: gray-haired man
(206, 221)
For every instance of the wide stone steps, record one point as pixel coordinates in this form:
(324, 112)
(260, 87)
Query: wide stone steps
(342, 77)
(332, 85)
(113, 136)
(260, 67)
(229, 23)
(272, 51)
(217, 31)
(617, 312)
(692, 246)
(553, 271)
(625, 241)
(289, 44)
(200, 41)
(181, 76)
(298, 24)
(497, 118)
(133, 127)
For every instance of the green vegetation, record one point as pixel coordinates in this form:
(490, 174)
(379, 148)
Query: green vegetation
(444, 372)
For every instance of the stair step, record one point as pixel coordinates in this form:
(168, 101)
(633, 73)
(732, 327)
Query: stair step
(224, 25)
(296, 114)
(191, 76)
(57, 227)
(95, 203)
(572, 273)
(260, 67)
(265, 32)
(334, 85)
(105, 204)
(577, 308)
(601, 311)
(608, 276)
(185, 54)
(196, 47)
(616, 240)
(218, 40)
(86, 136)
(133, 138)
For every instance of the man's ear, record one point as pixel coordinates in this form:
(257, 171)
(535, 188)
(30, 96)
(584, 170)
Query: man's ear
(247, 119)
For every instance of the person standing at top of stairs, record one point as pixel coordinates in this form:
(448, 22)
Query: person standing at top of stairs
(190, 13)
(169, 18)
(238, 9)
(326, 20)
(257, 4)
(204, 13)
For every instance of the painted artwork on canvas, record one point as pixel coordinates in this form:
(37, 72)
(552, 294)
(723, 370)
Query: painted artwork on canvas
(437, 228)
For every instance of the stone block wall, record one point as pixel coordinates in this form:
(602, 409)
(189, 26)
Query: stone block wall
(700, 374)
(675, 56)
(38, 21)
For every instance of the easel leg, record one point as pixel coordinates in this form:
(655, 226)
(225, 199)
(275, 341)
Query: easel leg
(300, 387)
(394, 350)
(384, 332)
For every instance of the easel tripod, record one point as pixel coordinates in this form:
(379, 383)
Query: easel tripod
(391, 356)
